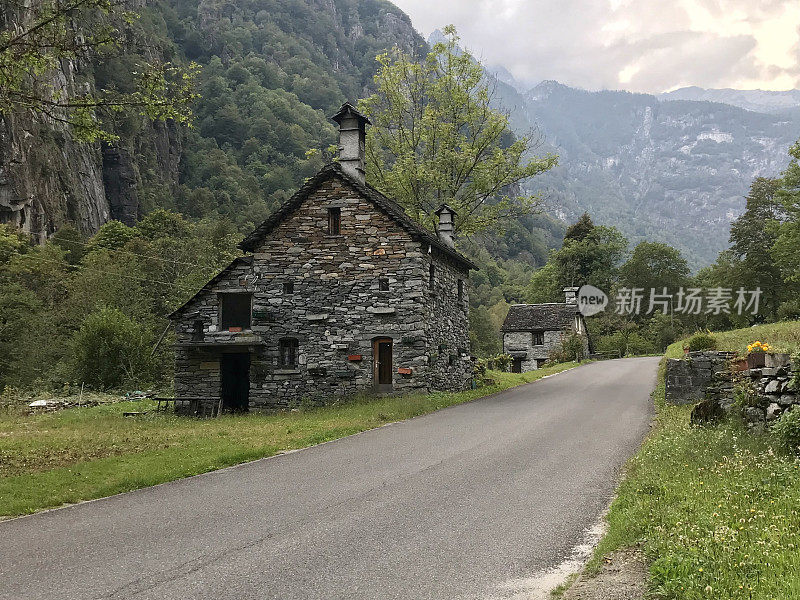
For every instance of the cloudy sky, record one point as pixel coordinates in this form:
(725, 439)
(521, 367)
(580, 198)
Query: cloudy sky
(638, 45)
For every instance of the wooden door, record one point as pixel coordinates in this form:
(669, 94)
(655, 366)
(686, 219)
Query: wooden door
(382, 357)
(235, 382)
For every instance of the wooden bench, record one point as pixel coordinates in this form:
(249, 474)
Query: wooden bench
(203, 407)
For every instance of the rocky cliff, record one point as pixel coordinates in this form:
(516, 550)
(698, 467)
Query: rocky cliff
(47, 178)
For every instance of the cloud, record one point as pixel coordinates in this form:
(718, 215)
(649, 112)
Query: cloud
(639, 45)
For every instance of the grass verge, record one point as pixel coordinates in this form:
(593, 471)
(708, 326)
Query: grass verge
(77, 454)
(715, 509)
(783, 337)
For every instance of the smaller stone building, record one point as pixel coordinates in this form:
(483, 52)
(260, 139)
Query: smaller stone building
(532, 331)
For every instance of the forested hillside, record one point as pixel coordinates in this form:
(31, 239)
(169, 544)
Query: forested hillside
(272, 72)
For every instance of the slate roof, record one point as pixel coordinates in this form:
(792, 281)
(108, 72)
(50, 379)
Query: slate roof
(540, 317)
(389, 207)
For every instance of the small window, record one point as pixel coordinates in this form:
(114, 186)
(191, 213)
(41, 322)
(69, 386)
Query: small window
(460, 290)
(538, 338)
(288, 287)
(383, 285)
(432, 276)
(236, 311)
(334, 221)
(288, 349)
(197, 331)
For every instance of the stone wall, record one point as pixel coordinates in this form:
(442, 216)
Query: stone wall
(518, 343)
(710, 380)
(688, 379)
(336, 309)
(773, 390)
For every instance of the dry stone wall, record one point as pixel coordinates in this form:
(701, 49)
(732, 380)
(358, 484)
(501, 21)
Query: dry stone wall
(520, 343)
(711, 381)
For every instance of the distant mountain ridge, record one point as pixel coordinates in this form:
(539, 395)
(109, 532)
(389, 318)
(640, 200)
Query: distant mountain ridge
(754, 100)
(672, 168)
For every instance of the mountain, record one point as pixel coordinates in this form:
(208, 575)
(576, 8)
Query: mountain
(673, 167)
(755, 100)
(672, 170)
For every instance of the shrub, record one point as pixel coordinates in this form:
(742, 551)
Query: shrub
(702, 340)
(744, 396)
(571, 348)
(787, 429)
(500, 362)
(789, 310)
(625, 343)
(110, 350)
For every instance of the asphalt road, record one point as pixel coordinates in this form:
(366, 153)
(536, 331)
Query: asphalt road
(450, 505)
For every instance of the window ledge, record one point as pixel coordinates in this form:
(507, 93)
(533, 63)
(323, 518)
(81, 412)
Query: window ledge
(286, 372)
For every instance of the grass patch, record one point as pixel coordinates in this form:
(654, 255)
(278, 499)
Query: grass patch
(77, 454)
(783, 337)
(716, 510)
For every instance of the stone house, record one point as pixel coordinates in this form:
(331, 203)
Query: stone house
(340, 291)
(532, 331)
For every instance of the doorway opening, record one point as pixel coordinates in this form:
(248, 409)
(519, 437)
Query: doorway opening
(235, 382)
(382, 358)
(516, 365)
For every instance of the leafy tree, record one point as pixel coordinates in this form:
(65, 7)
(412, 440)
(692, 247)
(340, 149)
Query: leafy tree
(654, 265)
(752, 238)
(12, 242)
(544, 285)
(580, 229)
(484, 336)
(37, 38)
(435, 138)
(112, 236)
(786, 249)
(110, 349)
(593, 260)
(72, 242)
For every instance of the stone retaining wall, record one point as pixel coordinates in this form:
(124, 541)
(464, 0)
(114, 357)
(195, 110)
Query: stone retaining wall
(689, 379)
(709, 379)
(774, 391)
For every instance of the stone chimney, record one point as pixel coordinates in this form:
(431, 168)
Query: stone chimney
(571, 295)
(445, 228)
(352, 140)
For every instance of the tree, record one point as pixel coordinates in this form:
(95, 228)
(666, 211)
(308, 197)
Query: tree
(594, 260)
(110, 349)
(654, 265)
(38, 38)
(484, 336)
(580, 229)
(752, 238)
(786, 249)
(435, 139)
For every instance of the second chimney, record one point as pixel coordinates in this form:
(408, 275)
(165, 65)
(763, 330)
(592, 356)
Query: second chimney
(352, 141)
(571, 295)
(446, 225)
